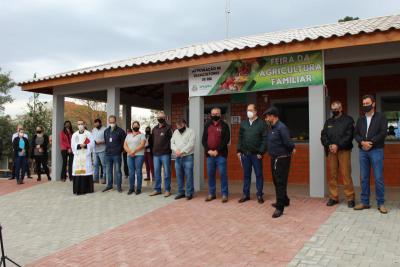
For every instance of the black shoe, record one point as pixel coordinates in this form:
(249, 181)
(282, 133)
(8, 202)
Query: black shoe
(260, 199)
(39, 179)
(130, 192)
(146, 179)
(351, 204)
(30, 177)
(179, 196)
(331, 202)
(277, 213)
(189, 197)
(49, 178)
(11, 178)
(107, 189)
(244, 199)
(138, 192)
(119, 190)
(210, 197)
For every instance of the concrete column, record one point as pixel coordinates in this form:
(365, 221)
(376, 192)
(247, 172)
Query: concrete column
(167, 102)
(316, 104)
(353, 103)
(113, 101)
(196, 122)
(57, 126)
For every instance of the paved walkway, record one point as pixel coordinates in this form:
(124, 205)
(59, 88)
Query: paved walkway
(46, 225)
(10, 186)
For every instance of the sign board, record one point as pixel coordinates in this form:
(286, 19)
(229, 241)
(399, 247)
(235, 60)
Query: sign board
(260, 74)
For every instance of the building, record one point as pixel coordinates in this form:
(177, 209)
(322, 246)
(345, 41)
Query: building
(299, 70)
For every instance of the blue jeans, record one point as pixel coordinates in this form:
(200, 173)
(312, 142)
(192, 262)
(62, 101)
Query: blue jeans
(372, 158)
(21, 164)
(249, 162)
(135, 165)
(165, 162)
(184, 167)
(212, 164)
(99, 157)
(113, 163)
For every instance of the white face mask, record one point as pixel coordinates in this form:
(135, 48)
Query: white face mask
(21, 134)
(112, 125)
(250, 114)
(81, 127)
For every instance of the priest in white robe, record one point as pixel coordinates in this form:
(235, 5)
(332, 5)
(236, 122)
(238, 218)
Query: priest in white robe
(82, 145)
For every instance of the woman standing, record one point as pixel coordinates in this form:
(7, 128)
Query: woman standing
(82, 168)
(66, 151)
(134, 146)
(21, 148)
(148, 155)
(40, 142)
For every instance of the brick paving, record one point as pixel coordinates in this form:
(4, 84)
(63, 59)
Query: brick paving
(10, 186)
(196, 233)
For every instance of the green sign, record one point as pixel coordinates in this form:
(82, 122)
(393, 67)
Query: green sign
(265, 73)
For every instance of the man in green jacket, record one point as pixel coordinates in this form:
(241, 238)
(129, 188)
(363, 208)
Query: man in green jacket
(250, 150)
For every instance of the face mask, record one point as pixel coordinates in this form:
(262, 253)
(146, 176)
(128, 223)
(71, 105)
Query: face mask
(181, 130)
(112, 125)
(367, 108)
(250, 114)
(98, 126)
(161, 120)
(215, 118)
(81, 128)
(335, 113)
(135, 129)
(147, 131)
(39, 132)
(21, 135)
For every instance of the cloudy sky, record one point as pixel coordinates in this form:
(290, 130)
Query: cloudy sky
(50, 36)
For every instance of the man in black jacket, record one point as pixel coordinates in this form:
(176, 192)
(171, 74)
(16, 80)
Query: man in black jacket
(21, 150)
(337, 137)
(216, 136)
(250, 150)
(280, 148)
(370, 134)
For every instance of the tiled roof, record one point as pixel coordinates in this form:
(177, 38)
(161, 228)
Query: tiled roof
(273, 38)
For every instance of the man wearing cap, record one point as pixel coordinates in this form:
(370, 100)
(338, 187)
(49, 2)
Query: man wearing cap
(280, 148)
(250, 150)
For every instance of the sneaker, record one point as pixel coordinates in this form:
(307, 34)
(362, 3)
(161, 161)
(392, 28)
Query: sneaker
(382, 209)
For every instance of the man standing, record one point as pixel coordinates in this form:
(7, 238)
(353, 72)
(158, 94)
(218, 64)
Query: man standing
(21, 149)
(15, 135)
(370, 134)
(280, 148)
(182, 144)
(99, 151)
(337, 137)
(250, 150)
(114, 137)
(216, 136)
(162, 134)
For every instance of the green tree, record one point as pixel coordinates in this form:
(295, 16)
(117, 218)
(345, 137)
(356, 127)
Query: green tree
(6, 83)
(348, 18)
(38, 113)
(6, 131)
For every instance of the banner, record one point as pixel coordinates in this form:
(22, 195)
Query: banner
(251, 75)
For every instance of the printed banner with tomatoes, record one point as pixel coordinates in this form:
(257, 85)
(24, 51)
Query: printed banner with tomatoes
(266, 73)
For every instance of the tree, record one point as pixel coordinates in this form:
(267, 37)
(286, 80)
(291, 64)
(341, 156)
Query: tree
(6, 131)
(348, 18)
(87, 110)
(6, 83)
(39, 113)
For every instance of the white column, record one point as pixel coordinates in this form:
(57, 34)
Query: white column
(126, 116)
(113, 101)
(353, 103)
(57, 126)
(316, 104)
(196, 122)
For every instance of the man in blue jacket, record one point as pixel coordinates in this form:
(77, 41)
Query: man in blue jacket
(280, 148)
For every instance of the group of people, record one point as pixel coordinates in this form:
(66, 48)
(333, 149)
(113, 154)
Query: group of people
(84, 152)
(23, 149)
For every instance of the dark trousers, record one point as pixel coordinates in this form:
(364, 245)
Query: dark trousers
(27, 169)
(67, 158)
(280, 172)
(249, 162)
(20, 167)
(41, 164)
(125, 158)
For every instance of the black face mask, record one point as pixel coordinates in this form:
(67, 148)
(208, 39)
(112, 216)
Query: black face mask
(215, 118)
(147, 131)
(367, 108)
(181, 130)
(335, 113)
(161, 121)
(135, 129)
(38, 132)
(98, 126)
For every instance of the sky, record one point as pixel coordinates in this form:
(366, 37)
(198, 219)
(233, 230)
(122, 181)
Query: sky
(47, 36)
